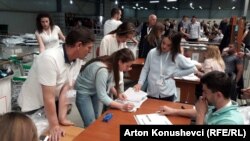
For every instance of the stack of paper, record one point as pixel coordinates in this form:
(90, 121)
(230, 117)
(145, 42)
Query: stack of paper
(136, 98)
(191, 77)
(152, 119)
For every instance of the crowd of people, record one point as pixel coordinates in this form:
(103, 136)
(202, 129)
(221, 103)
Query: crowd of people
(59, 68)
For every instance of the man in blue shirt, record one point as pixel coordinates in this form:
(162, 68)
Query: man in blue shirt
(214, 107)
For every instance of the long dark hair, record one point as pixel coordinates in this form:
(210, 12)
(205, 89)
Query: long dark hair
(153, 37)
(175, 38)
(124, 29)
(124, 55)
(38, 21)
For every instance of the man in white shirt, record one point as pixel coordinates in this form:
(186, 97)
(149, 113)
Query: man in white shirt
(52, 69)
(114, 22)
(193, 30)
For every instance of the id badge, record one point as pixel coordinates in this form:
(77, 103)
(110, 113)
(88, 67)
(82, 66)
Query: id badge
(159, 82)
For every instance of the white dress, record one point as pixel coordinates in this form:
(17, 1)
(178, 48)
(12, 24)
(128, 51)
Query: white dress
(52, 39)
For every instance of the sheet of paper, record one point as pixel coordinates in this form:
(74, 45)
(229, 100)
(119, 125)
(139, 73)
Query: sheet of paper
(152, 119)
(135, 96)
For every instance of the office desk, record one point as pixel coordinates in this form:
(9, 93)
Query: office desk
(137, 66)
(187, 88)
(110, 131)
(71, 132)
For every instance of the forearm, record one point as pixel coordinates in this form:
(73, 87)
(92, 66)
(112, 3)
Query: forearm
(191, 113)
(116, 105)
(200, 118)
(50, 111)
(49, 105)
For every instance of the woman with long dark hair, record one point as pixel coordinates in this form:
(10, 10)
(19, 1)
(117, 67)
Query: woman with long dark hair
(95, 81)
(163, 64)
(47, 33)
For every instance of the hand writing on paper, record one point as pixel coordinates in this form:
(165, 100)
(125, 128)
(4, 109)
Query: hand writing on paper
(122, 96)
(137, 87)
(127, 107)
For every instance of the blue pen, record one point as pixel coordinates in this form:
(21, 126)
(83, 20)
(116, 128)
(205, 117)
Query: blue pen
(107, 117)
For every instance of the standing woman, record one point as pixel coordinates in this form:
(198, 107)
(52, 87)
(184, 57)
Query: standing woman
(163, 64)
(116, 40)
(153, 39)
(47, 33)
(95, 81)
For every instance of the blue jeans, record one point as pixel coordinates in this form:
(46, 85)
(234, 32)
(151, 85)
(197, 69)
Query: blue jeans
(89, 107)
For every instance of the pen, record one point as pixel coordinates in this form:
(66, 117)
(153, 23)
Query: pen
(148, 118)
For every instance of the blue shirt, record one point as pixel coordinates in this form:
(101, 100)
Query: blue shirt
(152, 72)
(92, 81)
(226, 115)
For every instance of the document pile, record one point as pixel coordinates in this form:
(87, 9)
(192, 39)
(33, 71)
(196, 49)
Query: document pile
(152, 119)
(136, 98)
(191, 77)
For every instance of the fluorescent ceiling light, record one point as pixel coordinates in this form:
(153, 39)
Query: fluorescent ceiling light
(154, 1)
(171, 0)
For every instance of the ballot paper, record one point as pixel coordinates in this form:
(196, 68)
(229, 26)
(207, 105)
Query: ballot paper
(136, 98)
(191, 77)
(152, 119)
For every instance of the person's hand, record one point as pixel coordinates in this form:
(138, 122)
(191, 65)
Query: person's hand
(201, 106)
(56, 133)
(135, 42)
(246, 93)
(122, 96)
(165, 110)
(137, 87)
(128, 107)
(240, 54)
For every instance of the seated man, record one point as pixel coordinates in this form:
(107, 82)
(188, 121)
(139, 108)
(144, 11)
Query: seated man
(214, 106)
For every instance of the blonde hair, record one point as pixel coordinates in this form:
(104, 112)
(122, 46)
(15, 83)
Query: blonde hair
(16, 126)
(213, 52)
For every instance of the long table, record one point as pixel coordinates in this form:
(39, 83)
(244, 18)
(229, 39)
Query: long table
(110, 131)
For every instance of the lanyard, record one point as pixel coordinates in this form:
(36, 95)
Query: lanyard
(161, 69)
(148, 30)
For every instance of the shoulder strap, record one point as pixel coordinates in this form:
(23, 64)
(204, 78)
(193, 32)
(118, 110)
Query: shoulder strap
(98, 71)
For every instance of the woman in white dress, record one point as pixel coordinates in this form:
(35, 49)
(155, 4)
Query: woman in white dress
(47, 34)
